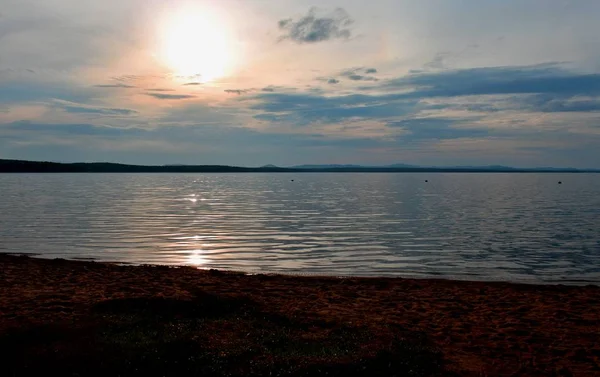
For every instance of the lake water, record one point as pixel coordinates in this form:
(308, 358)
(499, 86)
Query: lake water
(513, 227)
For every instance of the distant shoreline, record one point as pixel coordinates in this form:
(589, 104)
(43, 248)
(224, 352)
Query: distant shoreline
(21, 166)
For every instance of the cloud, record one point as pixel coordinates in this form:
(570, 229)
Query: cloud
(170, 96)
(362, 78)
(160, 90)
(306, 108)
(537, 79)
(71, 129)
(549, 103)
(120, 85)
(545, 88)
(78, 108)
(355, 74)
(314, 29)
(329, 80)
(127, 78)
(237, 91)
(274, 88)
(192, 83)
(535, 88)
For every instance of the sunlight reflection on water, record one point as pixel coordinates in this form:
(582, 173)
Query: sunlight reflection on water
(197, 258)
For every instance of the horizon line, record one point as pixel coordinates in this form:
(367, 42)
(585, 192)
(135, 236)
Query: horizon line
(306, 167)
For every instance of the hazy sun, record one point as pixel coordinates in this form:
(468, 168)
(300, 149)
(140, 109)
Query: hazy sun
(196, 42)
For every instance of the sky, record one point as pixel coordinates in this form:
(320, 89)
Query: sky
(288, 82)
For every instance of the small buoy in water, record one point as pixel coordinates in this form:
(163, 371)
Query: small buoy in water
(559, 182)
(292, 180)
(426, 181)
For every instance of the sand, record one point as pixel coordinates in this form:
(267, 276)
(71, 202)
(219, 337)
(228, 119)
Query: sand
(481, 328)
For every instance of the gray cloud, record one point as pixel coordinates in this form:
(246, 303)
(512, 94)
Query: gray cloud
(160, 90)
(306, 108)
(126, 78)
(237, 91)
(362, 78)
(545, 78)
(71, 129)
(78, 108)
(170, 96)
(120, 85)
(540, 88)
(192, 83)
(313, 29)
(550, 104)
(356, 74)
(98, 110)
(333, 81)
(274, 88)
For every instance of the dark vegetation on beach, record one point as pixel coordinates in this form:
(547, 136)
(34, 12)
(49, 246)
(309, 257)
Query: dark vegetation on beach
(73, 318)
(206, 335)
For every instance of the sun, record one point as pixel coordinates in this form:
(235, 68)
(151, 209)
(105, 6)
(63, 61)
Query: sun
(195, 41)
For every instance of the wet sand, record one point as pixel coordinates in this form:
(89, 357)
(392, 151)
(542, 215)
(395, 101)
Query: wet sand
(481, 329)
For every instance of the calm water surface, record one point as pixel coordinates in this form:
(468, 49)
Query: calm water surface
(514, 227)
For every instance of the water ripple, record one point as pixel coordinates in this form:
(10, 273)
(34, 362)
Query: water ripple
(516, 227)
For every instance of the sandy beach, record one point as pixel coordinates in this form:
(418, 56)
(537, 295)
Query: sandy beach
(469, 328)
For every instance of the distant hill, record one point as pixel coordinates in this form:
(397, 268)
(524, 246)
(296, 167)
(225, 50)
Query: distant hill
(394, 166)
(326, 166)
(402, 166)
(21, 166)
(405, 167)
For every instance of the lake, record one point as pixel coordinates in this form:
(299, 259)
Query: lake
(510, 227)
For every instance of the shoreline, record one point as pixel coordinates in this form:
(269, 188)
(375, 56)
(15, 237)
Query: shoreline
(457, 278)
(479, 328)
